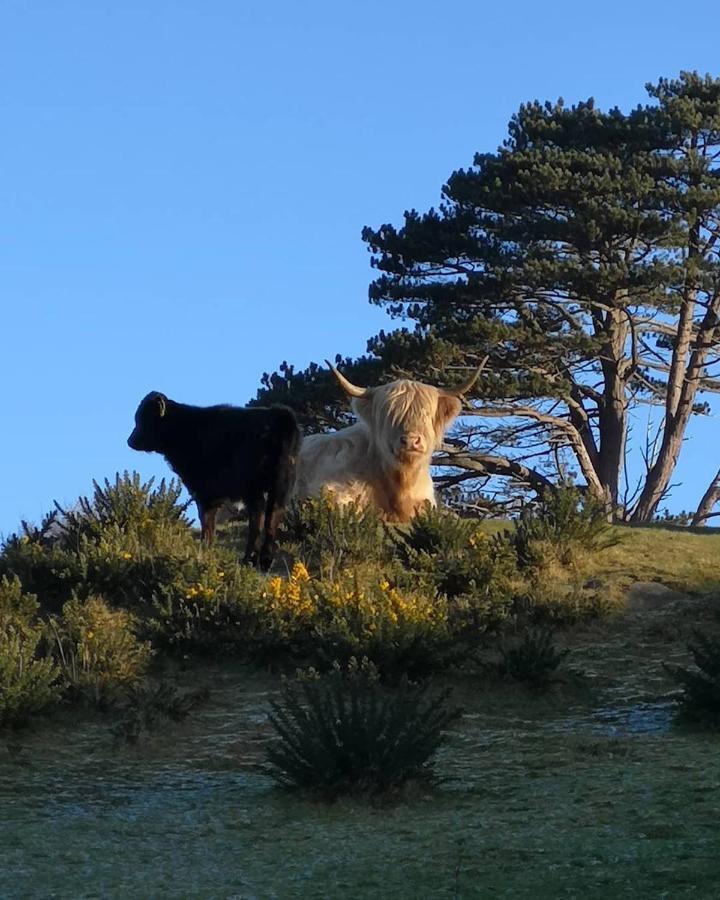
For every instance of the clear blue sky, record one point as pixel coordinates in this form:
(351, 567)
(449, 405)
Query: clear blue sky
(183, 185)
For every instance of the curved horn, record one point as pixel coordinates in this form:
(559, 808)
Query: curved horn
(464, 388)
(352, 389)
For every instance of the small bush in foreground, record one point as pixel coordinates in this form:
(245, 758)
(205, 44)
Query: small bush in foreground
(345, 733)
(28, 682)
(97, 649)
(699, 701)
(148, 706)
(534, 660)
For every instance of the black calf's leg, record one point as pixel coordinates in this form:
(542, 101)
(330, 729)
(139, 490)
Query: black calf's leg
(277, 499)
(207, 522)
(269, 547)
(255, 526)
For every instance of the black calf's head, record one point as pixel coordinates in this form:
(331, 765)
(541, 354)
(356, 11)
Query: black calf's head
(147, 434)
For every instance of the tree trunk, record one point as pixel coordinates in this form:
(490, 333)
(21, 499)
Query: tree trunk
(660, 473)
(710, 498)
(683, 383)
(612, 409)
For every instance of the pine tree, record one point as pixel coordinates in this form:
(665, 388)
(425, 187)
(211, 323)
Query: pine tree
(582, 256)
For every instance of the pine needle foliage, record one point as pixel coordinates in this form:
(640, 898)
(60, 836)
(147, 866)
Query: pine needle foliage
(345, 732)
(534, 660)
(699, 701)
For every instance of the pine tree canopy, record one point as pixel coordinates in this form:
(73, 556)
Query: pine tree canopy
(582, 256)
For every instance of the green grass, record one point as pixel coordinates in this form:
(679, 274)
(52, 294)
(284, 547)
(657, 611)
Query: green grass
(683, 560)
(562, 795)
(586, 790)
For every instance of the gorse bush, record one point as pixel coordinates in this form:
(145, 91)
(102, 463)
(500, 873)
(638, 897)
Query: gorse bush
(329, 537)
(210, 605)
(322, 621)
(97, 649)
(437, 532)
(453, 557)
(565, 523)
(146, 707)
(345, 732)
(122, 543)
(28, 680)
(555, 596)
(533, 660)
(128, 505)
(699, 701)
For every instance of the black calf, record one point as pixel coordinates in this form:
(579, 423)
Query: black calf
(226, 453)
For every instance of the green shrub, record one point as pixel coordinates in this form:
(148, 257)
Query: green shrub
(320, 621)
(329, 537)
(146, 707)
(556, 596)
(129, 506)
(533, 660)
(209, 607)
(346, 733)
(28, 682)
(437, 532)
(97, 649)
(565, 524)
(453, 557)
(124, 543)
(699, 700)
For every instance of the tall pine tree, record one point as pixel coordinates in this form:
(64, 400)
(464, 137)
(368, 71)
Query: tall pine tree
(583, 257)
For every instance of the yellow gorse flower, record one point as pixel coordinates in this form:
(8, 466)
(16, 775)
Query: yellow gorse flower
(299, 602)
(199, 590)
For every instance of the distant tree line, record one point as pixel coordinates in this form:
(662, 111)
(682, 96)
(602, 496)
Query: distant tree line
(583, 256)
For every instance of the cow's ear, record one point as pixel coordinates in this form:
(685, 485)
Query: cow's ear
(448, 408)
(361, 407)
(159, 402)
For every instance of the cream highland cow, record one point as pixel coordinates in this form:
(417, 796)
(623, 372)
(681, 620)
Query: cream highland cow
(384, 458)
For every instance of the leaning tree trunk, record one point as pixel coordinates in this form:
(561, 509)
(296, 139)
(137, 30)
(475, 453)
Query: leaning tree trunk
(710, 498)
(682, 390)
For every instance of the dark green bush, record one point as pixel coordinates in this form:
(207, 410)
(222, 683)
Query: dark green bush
(564, 523)
(436, 532)
(128, 505)
(209, 607)
(346, 733)
(148, 706)
(533, 660)
(123, 543)
(330, 538)
(699, 700)
(453, 557)
(28, 680)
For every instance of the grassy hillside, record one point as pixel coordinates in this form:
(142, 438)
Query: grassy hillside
(580, 784)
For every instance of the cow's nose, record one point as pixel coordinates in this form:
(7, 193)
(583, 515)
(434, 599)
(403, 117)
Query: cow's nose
(411, 442)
